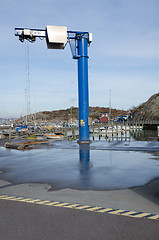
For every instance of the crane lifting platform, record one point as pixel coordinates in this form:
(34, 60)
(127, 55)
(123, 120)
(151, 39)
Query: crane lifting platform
(57, 37)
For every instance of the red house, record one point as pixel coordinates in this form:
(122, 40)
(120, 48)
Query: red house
(104, 118)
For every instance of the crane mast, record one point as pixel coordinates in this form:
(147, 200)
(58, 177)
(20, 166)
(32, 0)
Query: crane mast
(57, 37)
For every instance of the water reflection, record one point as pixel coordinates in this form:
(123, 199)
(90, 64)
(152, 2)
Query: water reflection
(84, 157)
(85, 164)
(145, 135)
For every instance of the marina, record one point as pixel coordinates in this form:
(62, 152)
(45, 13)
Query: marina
(107, 131)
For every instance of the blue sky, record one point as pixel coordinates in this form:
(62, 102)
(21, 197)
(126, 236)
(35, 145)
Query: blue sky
(124, 54)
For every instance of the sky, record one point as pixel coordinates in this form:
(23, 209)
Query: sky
(123, 56)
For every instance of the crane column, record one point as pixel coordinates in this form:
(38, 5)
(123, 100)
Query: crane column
(83, 94)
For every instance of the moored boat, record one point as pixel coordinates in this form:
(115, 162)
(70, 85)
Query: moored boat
(54, 136)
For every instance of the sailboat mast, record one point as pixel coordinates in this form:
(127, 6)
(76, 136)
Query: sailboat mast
(109, 105)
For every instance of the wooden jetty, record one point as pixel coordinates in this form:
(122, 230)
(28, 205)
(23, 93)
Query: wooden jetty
(24, 145)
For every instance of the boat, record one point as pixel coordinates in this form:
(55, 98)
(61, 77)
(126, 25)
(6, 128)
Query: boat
(54, 136)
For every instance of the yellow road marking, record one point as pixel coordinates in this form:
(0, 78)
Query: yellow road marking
(51, 203)
(140, 215)
(154, 217)
(128, 213)
(7, 197)
(105, 210)
(35, 200)
(19, 198)
(3, 197)
(29, 201)
(42, 202)
(92, 209)
(13, 199)
(24, 199)
(61, 204)
(83, 207)
(117, 212)
(77, 206)
(71, 206)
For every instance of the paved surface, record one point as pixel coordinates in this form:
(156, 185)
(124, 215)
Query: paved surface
(27, 221)
(21, 220)
(145, 199)
(85, 207)
(37, 222)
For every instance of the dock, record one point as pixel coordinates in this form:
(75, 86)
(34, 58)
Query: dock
(114, 131)
(24, 145)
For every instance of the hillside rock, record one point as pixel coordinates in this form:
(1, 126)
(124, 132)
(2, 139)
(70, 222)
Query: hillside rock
(148, 110)
(66, 114)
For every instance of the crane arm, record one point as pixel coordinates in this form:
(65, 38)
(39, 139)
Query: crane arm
(29, 34)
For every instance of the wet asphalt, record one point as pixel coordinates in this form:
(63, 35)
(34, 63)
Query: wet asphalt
(28, 221)
(119, 175)
(65, 164)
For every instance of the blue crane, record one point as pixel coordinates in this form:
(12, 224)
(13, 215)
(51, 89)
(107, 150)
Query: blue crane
(57, 38)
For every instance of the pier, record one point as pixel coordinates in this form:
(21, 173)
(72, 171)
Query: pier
(120, 131)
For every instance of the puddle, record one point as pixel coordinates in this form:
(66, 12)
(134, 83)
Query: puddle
(65, 165)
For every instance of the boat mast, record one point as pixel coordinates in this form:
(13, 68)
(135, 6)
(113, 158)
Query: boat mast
(109, 105)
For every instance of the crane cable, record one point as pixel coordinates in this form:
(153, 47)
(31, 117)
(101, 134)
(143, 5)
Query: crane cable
(27, 89)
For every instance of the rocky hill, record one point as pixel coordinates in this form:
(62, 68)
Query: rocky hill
(148, 110)
(67, 114)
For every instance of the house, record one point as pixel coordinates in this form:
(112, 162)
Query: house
(104, 118)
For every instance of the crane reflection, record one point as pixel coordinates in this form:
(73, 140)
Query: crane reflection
(85, 164)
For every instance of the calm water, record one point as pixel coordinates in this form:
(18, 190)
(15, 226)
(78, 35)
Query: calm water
(64, 165)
